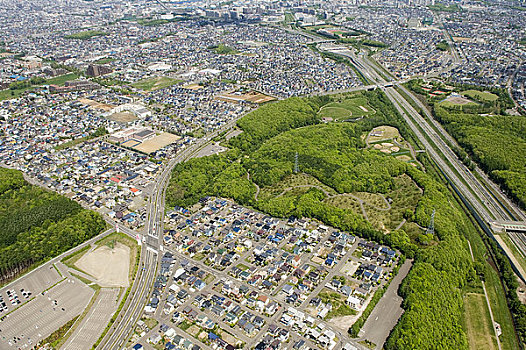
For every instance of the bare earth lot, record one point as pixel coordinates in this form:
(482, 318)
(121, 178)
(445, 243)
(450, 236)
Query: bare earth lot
(157, 142)
(109, 267)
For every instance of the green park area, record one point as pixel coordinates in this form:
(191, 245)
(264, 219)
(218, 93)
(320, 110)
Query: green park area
(155, 83)
(482, 96)
(222, 49)
(346, 108)
(105, 60)
(287, 162)
(85, 35)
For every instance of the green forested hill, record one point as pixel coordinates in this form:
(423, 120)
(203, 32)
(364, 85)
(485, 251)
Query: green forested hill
(36, 224)
(259, 171)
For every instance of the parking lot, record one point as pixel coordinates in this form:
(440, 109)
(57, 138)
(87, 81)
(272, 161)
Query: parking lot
(44, 314)
(96, 320)
(33, 283)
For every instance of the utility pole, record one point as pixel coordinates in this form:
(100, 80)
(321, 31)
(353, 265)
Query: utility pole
(296, 164)
(431, 227)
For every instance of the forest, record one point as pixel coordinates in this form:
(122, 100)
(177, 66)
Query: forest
(334, 154)
(494, 140)
(36, 225)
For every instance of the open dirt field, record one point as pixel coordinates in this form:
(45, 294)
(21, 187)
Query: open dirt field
(456, 100)
(109, 267)
(193, 87)
(96, 105)
(157, 142)
(123, 117)
(381, 133)
(254, 97)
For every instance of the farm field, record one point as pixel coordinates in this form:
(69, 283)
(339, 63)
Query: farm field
(477, 321)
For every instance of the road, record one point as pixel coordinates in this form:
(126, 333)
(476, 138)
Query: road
(152, 237)
(487, 204)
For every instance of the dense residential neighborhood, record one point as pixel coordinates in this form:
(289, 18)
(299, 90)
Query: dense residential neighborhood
(263, 175)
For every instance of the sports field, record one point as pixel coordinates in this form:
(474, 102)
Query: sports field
(350, 108)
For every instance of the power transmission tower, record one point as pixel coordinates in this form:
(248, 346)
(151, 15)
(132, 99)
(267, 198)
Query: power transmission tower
(431, 227)
(296, 164)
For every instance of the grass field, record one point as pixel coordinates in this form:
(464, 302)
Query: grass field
(347, 108)
(85, 35)
(499, 306)
(155, 83)
(482, 96)
(336, 113)
(105, 60)
(10, 94)
(61, 80)
(477, 322)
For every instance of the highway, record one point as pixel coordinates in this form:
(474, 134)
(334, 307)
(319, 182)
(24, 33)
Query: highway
(125, 321)
(487, 203)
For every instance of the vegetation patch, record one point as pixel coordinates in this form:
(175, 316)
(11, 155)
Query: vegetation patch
(55, 338)
(222, 49)
(482, 96)
(479, 329)
(339, 304)
(85, 35)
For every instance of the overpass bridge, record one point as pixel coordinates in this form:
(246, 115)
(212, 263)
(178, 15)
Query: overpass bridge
(508, 226)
